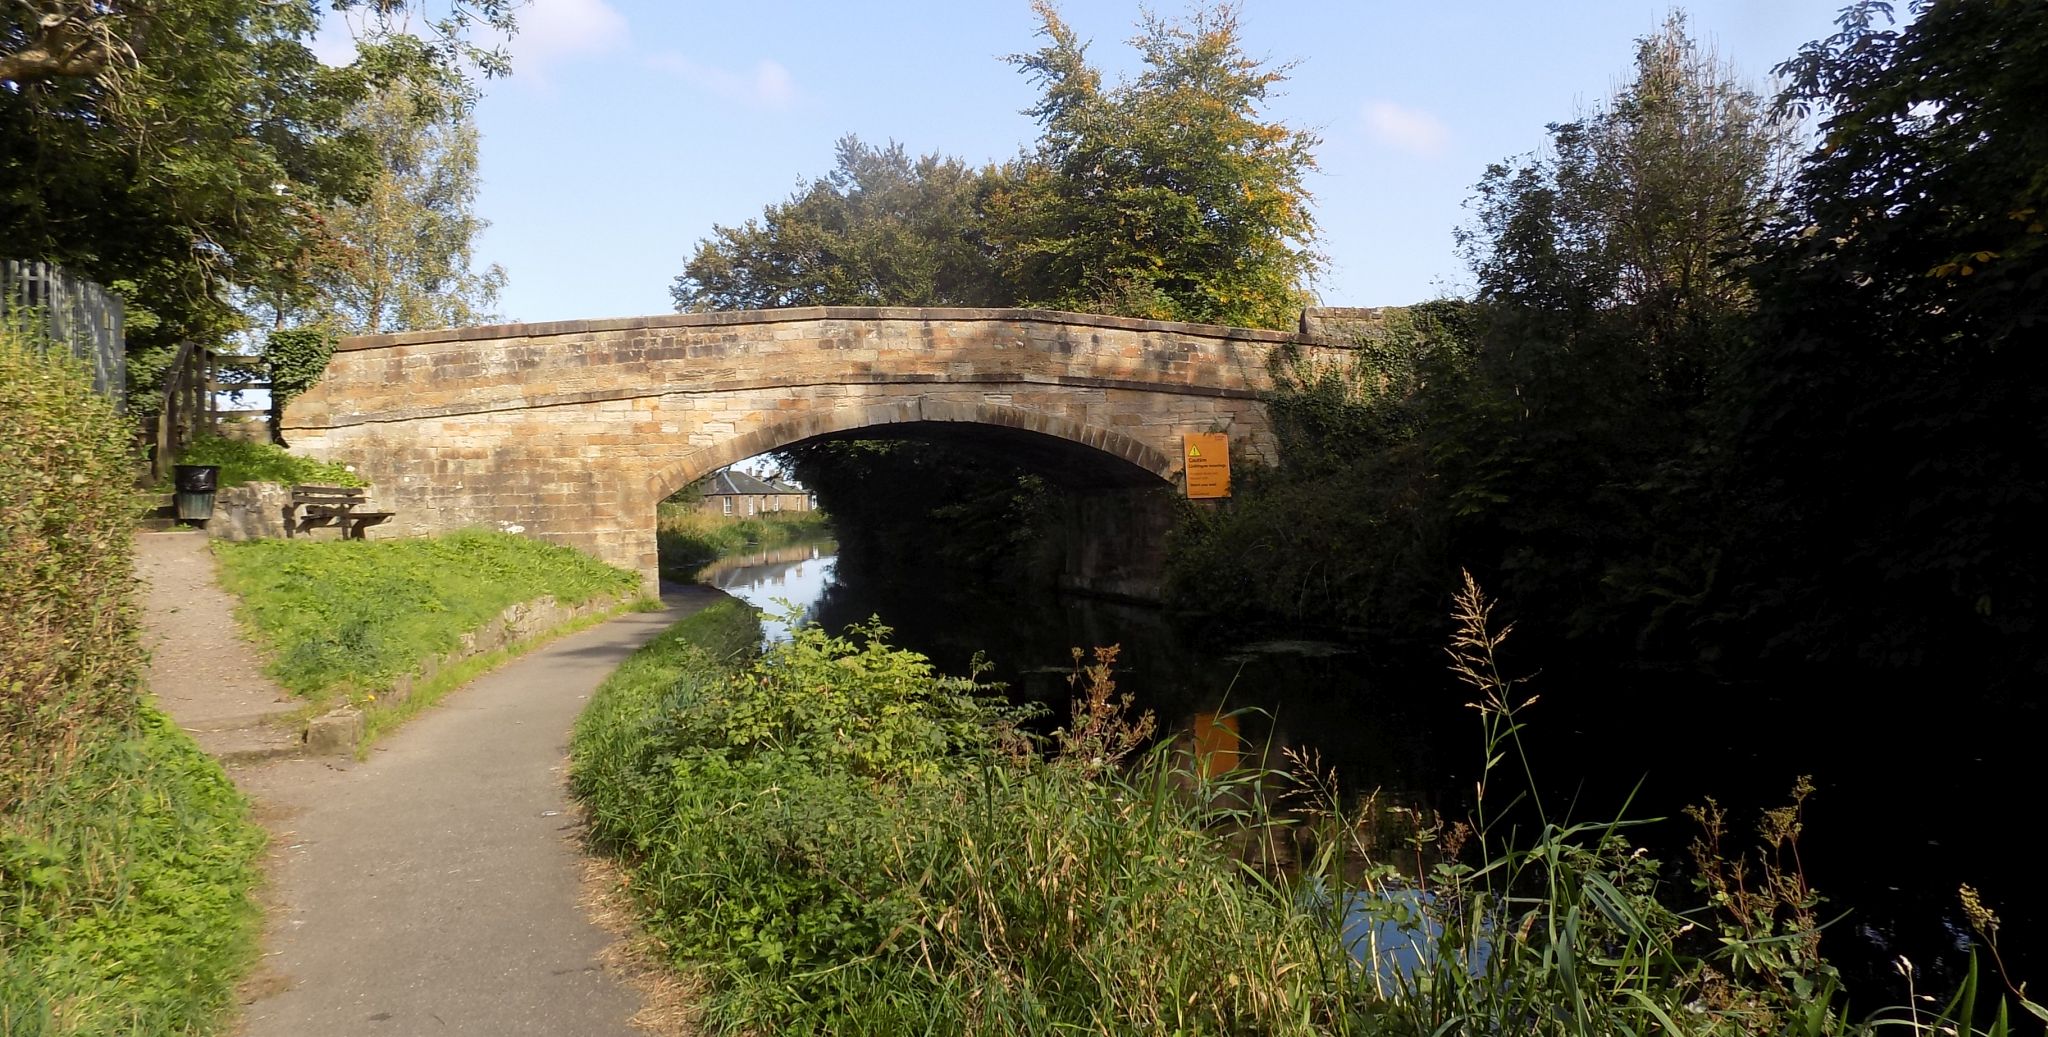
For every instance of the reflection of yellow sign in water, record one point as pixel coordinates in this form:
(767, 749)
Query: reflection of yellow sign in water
(1207, 457)
(1216, 743)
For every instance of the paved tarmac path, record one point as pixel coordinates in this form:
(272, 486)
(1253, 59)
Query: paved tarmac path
(433, 888)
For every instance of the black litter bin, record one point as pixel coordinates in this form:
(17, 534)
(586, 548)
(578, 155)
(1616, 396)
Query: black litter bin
(196, 484)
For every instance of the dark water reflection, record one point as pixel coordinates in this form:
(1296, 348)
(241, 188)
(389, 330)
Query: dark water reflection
(1890, 833)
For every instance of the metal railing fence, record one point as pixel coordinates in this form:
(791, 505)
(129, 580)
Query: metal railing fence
(75, 312)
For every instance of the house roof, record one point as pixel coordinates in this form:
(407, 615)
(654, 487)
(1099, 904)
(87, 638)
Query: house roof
(736, 483)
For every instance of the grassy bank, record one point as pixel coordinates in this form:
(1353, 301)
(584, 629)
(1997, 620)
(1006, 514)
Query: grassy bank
(126, 856)
(347, 617)
(690, 540)
(836, 839)
(242, 462)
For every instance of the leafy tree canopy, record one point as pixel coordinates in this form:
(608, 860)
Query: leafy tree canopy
(1894, 406)
(1167, 196)
(400, 257)
(180, 147)
(881, 229)
(1635, 221)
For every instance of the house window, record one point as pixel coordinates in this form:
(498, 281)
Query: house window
(752, 502)
(728, 504)
(775, 505)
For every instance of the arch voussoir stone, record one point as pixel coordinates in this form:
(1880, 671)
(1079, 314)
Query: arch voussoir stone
(501, 425)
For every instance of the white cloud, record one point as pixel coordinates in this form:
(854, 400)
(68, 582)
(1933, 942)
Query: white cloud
(1406, 129)
(768, 84)
(550, 33)
(554, 31)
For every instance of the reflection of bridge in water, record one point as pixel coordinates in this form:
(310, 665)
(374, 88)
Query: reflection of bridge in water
(727, 573)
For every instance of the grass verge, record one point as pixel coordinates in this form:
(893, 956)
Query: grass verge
(345, 618)
(689, 540)
(125, 886)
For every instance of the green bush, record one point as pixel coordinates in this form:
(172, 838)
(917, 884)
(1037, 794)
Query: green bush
(846, 842)
(242, 462)
(67, 512)
(349, 616)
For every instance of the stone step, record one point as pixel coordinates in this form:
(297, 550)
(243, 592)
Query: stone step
(247, 745)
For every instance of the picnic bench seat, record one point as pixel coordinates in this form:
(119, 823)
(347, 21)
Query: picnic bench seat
(337, 506)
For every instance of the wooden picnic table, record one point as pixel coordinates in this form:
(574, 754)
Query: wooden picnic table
(341, 507)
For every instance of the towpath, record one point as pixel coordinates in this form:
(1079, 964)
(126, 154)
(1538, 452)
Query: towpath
(432, 888)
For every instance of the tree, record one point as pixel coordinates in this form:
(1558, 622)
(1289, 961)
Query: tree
(400, 257)
(48, 40)
(1611, 293)
(180, 159)
(1640, 216)
(1888, 445)
(881, 229)
(1166, 196)
(184, 150)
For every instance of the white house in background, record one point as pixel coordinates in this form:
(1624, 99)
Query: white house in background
(738, 494)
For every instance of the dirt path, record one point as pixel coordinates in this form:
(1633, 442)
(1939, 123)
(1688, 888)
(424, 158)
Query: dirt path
(203, 673)
(432, 888)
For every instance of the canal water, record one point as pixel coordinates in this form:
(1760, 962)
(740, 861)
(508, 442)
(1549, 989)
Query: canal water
(1890, 832)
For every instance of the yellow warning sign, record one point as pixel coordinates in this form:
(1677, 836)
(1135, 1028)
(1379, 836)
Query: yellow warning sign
(1207, 457)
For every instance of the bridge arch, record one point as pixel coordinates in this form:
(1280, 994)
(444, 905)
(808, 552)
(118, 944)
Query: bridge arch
(1123, 451)
(573, 431)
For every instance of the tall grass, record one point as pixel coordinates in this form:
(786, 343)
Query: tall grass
(689, 540)
(840, 840)
(346, 617)
(125, 889)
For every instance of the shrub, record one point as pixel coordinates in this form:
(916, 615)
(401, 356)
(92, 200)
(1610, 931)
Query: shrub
(67, 511)
(847, 842)
(126, 856)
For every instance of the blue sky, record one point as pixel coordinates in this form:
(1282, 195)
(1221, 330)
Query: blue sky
(632, 126)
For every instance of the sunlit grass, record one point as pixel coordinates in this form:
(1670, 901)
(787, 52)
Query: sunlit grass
(346, 617)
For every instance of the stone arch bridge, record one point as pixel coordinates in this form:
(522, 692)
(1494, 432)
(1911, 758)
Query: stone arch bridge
(574, 431)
